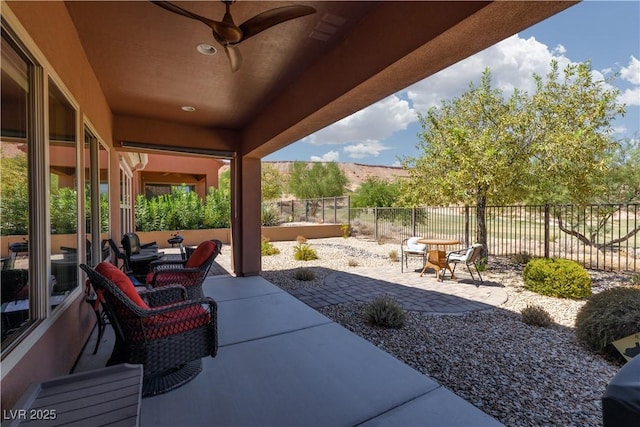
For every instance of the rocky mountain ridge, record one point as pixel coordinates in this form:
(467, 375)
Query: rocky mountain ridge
(356, 173)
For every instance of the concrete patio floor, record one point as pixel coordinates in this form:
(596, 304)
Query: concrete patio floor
(281, 363)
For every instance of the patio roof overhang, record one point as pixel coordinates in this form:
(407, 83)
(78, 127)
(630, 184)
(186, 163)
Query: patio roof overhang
(297, 77)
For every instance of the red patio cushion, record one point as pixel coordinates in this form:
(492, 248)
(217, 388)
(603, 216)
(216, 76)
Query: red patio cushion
(176, 322)
(201, 254)
(123, 282)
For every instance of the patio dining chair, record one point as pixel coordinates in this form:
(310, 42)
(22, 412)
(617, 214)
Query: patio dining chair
(468, 257)
(411, 248)
(139, 256)
(190, 273)
(161, 329)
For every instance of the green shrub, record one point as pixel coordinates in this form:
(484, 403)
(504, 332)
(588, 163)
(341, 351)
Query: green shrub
(304, 274)
(346, 230)
(304, 252)
(635, 279)
(267, 248)
(536, 316)
(482, 264)
(556, 277)
(385, 312)
(608, 316)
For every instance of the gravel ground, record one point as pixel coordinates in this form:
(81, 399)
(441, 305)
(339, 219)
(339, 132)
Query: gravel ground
(520, 374)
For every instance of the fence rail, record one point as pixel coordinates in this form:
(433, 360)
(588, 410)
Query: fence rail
(601, 237)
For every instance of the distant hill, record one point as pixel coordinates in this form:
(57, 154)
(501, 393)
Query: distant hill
(356, 173)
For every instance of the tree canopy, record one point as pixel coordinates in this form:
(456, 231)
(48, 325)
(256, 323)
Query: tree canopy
(271, 182)
(319, 180)
(485, 148)
(376, 192)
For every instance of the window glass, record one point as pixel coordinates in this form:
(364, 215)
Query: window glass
(154, 190)
(96, 194)
(14, 190)
(65, 254)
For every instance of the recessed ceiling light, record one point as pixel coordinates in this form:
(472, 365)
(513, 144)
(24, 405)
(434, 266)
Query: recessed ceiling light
(206, 49)
(188, 108)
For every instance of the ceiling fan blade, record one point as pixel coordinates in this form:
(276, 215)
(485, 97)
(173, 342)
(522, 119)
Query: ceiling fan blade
(227, 31)
(235, 58)
(272, 17)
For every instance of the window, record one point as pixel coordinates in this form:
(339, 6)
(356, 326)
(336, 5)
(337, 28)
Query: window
(15, 143)
(63, 197)
(126, 214)
(153, 190)
(96, 194)
(41, 240)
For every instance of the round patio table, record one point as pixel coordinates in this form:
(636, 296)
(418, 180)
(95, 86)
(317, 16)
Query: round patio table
(437, 258)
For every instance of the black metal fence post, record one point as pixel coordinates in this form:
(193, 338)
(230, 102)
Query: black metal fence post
(546, 230)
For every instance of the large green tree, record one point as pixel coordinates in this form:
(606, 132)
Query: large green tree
(485, 148)
(317, 181)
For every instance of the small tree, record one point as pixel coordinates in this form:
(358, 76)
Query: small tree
(376, 192)
(271, 183)
(319, 180)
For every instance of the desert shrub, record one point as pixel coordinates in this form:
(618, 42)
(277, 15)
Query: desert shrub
(635, 279)
(353, 262)
(393, 255)
(346, 230)
(557, 277)
(482, 264)
(536, 316)
(270, 216)
(304, 274)
(385, 312)
(267, 248)
(304, 252)
(521, 258)
(608, 316)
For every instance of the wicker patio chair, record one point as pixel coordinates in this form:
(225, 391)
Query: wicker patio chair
(139, 256)
(189, 273)
(160, 328)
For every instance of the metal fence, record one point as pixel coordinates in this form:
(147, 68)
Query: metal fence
(601, 237)
(330, 210)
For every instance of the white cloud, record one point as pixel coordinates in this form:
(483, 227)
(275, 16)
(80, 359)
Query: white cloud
(374, 123)
(365, 149)
(331, 156)
(631, 73)
(512, 63)
(630, 97)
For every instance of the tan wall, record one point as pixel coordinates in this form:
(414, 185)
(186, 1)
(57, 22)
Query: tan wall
(191, 237)
(274, 234)
(281, 234)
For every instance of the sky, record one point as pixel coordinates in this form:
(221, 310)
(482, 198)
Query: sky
(605, 33)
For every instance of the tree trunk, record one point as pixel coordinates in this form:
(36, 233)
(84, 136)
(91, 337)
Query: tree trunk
(481, 219)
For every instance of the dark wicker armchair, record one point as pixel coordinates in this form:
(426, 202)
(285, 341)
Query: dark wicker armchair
(139, 256)
(160, 328)
(189, 273)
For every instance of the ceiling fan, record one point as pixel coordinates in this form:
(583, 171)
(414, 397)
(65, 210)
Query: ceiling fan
(229, 35)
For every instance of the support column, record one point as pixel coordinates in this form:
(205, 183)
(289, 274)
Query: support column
(245, 216)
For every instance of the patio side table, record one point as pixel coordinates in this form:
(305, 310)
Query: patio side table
(107, 397)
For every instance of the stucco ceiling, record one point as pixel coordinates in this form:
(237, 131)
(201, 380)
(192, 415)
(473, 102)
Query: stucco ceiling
(298, 76)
